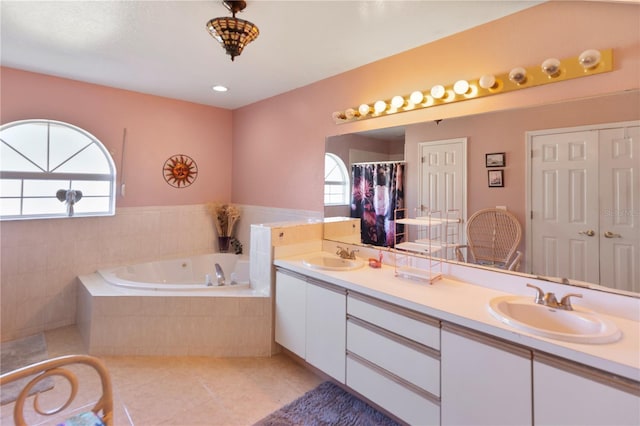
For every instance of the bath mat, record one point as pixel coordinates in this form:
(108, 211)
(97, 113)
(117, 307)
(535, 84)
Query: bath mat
(20, 353)
(327, 405)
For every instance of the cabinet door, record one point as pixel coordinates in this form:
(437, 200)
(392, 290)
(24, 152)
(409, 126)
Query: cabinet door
(291, 313)
(484, 381)
(326, 329)
(566, 394)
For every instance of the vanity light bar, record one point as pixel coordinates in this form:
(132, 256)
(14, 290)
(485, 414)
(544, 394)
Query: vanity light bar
(552, 70)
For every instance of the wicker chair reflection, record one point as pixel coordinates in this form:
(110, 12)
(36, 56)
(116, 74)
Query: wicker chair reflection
(493, 236)
(101, 411)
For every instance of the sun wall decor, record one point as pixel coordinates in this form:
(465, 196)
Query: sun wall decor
(180, 171)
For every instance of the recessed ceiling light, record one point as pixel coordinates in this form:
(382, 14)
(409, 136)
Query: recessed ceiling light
(219, 88)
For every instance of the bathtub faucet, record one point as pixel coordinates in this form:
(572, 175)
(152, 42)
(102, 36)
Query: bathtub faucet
(219, 275)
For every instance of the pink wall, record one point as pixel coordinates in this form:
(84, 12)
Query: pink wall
(157, 128)
(341, 145)
(505, 131)
(279, 142)
(271, 153)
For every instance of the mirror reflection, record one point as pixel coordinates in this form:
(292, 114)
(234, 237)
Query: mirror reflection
(565, 236)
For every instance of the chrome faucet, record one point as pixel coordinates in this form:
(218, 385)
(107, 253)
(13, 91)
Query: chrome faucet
(346, 254)
(219, 275)
(549, 299)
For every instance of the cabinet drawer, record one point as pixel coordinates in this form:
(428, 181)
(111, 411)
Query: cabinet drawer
(405, 359)
(412, 325)
(404, 403)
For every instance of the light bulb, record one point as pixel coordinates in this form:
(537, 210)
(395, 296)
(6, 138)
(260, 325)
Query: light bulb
(438, 91)
(416, 97)
(461, 87)
(350, 113)
(379, 107)
(487, 81)
(219, 88)
(551, 67)
(338, 115)
(518, 75)
(589, 58)
(397, 102)
(364, 109)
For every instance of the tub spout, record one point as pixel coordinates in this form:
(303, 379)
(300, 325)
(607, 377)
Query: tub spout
(220, 275)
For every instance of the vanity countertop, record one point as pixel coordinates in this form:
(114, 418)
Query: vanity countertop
(466, 304)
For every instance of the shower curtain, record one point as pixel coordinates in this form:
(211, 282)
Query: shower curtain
(378, 189)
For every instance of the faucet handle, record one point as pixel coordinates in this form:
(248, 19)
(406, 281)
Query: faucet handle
(352, 255)
(539, 293)
(565, 302)
(550, 300)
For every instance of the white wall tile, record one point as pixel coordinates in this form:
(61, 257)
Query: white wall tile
(39, 257)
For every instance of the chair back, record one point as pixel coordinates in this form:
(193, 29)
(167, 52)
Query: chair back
(493, 236)
(103, 407)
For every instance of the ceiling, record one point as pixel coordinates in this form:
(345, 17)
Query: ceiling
(162, 47)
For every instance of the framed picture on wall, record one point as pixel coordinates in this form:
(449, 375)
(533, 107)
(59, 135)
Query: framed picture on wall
(496, 159)
(496, 178)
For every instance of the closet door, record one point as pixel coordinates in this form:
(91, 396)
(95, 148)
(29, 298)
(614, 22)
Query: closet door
(620, 208)
(585, 205)
(564, 200)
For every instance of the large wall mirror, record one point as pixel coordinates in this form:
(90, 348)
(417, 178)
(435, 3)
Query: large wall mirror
(513, 132)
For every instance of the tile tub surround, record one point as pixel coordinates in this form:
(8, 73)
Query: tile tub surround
(183, 323)
(40, 259)
(113, 323)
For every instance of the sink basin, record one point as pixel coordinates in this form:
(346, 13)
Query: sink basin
(577, 326)
(332, 263)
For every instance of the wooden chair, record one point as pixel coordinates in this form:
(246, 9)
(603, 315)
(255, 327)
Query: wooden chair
(493, 236)
(102, 410)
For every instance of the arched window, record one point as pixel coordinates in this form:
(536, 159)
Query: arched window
(51, 169)
(336, 181)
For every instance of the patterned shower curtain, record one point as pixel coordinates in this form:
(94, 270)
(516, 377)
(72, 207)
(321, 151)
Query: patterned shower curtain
(378, 189)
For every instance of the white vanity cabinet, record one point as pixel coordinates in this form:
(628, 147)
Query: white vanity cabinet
(291, 312)
(326, 315)
(310, 320)
(428, 371)
(485, 381)
(393, 358)
(569, 394)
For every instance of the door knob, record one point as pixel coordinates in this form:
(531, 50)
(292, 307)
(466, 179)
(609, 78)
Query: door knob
(610, 234)
(589, 233)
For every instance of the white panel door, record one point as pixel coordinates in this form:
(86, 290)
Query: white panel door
(564, 199)
(443, 175)
(620, 208)
(443, 181)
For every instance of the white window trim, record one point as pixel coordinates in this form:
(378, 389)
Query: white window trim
(50, 175)
(346, 184)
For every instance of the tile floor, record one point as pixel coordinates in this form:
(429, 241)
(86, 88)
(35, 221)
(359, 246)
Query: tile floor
(183, 391)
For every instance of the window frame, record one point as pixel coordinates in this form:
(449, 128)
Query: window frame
(346, 183)
(69, 177)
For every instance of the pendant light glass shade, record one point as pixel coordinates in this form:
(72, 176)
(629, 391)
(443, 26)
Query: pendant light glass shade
(232, 33)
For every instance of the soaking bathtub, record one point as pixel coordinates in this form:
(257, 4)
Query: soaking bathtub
(182, 274)
(166, 308)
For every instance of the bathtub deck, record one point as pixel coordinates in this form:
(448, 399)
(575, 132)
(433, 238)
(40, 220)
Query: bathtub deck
(224, 324)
